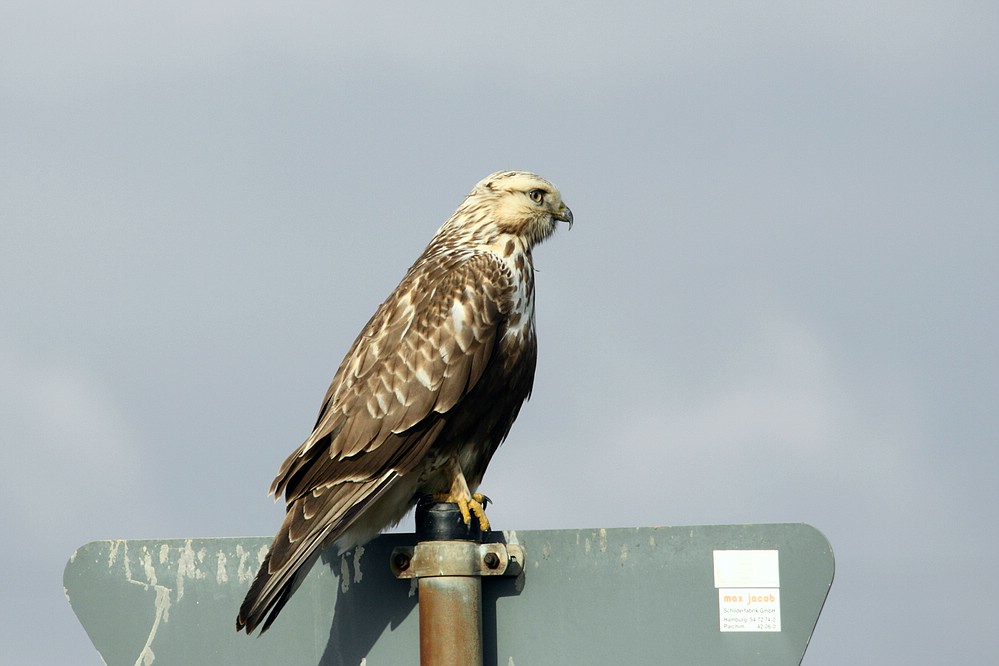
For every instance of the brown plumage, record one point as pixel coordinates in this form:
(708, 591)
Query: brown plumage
(427, 392)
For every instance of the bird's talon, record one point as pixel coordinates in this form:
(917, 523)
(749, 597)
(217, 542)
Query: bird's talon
(478, 507)
(463, 506)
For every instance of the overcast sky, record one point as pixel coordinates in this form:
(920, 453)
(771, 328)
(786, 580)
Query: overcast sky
(779, 302)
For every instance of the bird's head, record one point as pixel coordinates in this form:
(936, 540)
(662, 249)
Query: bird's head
(519, 203)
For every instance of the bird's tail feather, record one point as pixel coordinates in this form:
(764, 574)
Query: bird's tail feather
(258, 608)
(296, 547)
(272, 588)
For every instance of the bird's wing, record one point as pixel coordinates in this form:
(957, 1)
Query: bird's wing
(423, 350)
(419, 355)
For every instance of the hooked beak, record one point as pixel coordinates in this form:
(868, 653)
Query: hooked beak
(564, 214)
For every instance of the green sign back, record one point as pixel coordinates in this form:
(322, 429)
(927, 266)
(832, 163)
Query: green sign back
(738, 594)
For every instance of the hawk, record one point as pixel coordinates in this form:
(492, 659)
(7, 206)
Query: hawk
(427, 392)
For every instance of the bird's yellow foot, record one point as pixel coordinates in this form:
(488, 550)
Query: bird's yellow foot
(476, 505)
(468, 506)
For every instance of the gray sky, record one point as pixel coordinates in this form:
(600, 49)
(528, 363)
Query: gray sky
(779, 302)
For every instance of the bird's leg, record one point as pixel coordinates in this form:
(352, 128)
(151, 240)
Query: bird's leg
(469, 503)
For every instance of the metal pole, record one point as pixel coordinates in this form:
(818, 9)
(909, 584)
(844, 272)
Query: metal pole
(449, 561)
(451, 621)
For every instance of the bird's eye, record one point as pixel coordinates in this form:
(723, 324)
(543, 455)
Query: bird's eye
(537, 196)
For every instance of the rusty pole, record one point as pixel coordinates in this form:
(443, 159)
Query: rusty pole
(449, 561)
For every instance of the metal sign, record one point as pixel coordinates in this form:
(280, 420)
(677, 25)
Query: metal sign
(739, 594)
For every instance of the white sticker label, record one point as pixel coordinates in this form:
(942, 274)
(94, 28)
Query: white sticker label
(749, 609)
(748, 583)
